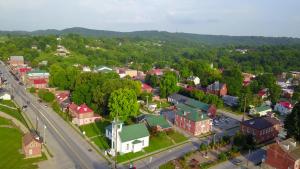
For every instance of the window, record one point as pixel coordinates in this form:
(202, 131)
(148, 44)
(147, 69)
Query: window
(127, 147)
(143, 143)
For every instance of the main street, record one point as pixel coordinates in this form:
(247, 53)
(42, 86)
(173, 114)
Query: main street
(68, 148)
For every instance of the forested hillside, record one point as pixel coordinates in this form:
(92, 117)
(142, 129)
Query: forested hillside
(167, 36)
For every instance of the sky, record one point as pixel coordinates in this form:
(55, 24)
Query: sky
(219, 17)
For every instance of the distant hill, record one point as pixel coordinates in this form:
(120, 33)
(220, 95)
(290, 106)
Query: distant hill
(162, 35)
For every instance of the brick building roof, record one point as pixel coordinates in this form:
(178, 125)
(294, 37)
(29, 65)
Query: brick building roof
(261, 122)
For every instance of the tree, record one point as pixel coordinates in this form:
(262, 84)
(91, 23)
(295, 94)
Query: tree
(46, 95)
(292, 122)
(152, 80)
(234, 80)
(168, 84)
(123, 103)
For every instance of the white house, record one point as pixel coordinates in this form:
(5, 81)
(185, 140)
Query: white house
(86, 69)
(283, 107)
(103, 69)
(261, 110)
(5, 96)
(131, 138)
(194, 79)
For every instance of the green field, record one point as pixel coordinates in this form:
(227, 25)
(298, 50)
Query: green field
(14, 113)
(177, 137)
(8, 103)
(157, 142)
(96, 132)
(10, 146)
(4, 121)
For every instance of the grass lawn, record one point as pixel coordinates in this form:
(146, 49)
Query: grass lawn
(14, 113)
(95, 129)
(4, 121)
(10, 146)
(177, 137)
(101, 142)
(156, 142)
(8, 103)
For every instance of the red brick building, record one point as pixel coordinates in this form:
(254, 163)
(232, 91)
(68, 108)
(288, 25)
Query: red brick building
(82, 114)
(39, 83)
(261, 128)
(284, 155)
(192, 121)
(32, 145)
(217, 88)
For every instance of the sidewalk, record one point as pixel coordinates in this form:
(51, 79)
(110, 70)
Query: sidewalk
(20, 125)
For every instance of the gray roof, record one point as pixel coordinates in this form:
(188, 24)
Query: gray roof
(261, 122)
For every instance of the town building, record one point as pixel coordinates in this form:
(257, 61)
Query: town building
(157, 123)
(260, 111)
(284, 154)
(157, 72)
(61, 51)
(210, 110)
(264, 93)
(261, 128)
(103, 69)
(82, 114)
(22, 71)
(131, 138)
(217, 88)
(231, 101)
(5, 96)
(16, 61)
(146, 88)
(126, 72)
(63, 99)
(194, 79)
(32, 145)
(283, 107)
(86, 69)
(37, 78)
(39, 83)
(192, 120)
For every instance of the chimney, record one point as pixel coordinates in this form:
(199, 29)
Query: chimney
(202, 116)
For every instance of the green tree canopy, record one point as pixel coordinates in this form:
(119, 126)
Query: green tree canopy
(123, 103)
(292, 122)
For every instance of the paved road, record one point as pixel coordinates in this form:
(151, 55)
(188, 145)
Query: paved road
(254, 158)
(70, 150)
(161, 158)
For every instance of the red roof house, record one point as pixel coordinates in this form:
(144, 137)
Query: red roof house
(157, 72)
(146, 88)
(62, 96)
(82, 114)
(40, 83)
(283, 107)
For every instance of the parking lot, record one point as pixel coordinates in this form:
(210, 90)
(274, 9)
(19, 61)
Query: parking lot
(222, 124)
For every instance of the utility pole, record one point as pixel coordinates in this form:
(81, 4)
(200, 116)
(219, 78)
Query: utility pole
(36, 124)
(44, 138)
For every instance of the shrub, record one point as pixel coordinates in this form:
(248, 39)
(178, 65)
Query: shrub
(203, 147)
(32, 90)
(45, 95)
(222, 156)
